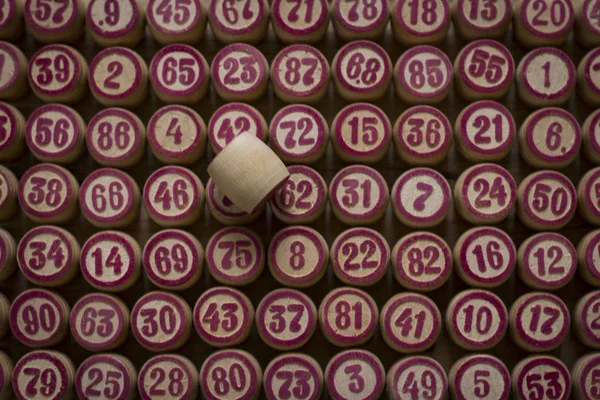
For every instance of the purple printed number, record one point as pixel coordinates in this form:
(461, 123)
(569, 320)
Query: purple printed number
(106, 195)
(103, 377)
(363, 66)
(300, 17)
(302, 195)
(44, 191)
(97, 322)
(349, 316)
(591, 15)
(549, 260)
(7, 124)
(487, 256)
(40, 375)
(481, 377)
(115, 72)
(52, 131)
(236, 16)
(229, 373)
(486, 66)
(422, 17)
(542, 321)
(170, 193)
(422, 196)
(50, 15)
(107, 259)
(231, 121)
(423, 260)
(547, 18)
(9, 63)
(424, 131)
(291, 376)
(544, 378)
(53, 69)
(36, 318)
(165, 378)
(360, 15)
(487, 127)
(355, 374)
(45, 254)
(238, 70)
(479, 319)
(234, 254)
(489, 191)
(553, 135)
(175, 131)
(358, 192)
(298, 131)
(159, 321)
(360, 256)
(297, 254)
(484, 14)
(300, 70)
(112, 135)
(177, 69)
(171, 258)
(361, 129)
(411, 322)
(424, 71)
(419, 378)
(174, 16)
(549, 198)
(588, 315)
(112, 18)
(541, 67)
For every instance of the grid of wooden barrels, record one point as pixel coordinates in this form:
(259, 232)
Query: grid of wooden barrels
(434, 233)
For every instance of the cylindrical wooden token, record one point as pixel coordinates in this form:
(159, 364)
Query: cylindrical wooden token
(12, 133)
(233, 119)
(422, 136)
(546, 76)
(116, 138)
(588, 78)
(120, 23)
(546, 261)
(173, 259)
(55, 133)
(479, 20)
(546, 200)
(485, 194)
(420, 22)
(360, 257)
(13, 81)
(231, 374)
(48, 194)
(248, 172)
(479, 376)
(586, 315)
(9, 188)
(58, 73)
(118, 76)
(539, 321)
(355, 374)
(587, 23)
(235, 256)
(422, 75)
(300, 74)
(358, 195)
(39, 318)
(11, 20)
(177, 135)
(361, 20)
(7, 254)
(298, 256)
(176, 22)
(550, 138)
(588, 195)
(362, 71)
(4, 321)
(543, 22)
(422, 261)
(106, 376)
(286, 319)
(299, 134)
(302, 23)
(110, 261)
(583, 372)
(174, 197)
(48, 256)
(549, 375)
(99, 322)
(476, 319)
(161, 321)
(417, 377)
(484, 70)
(591, 137)
(293, 376)
(410, 322)
(588, 256)
(361, 133)
(421, 198)
(485, 257)
(302, 198)
(224, 211)
(223, 316)
(6, 371)
(47, 24)
(168, 377)
(484, 131)
(43, 374)
(234, 22)
(240, 72)
(348, 317)
(179, 74)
